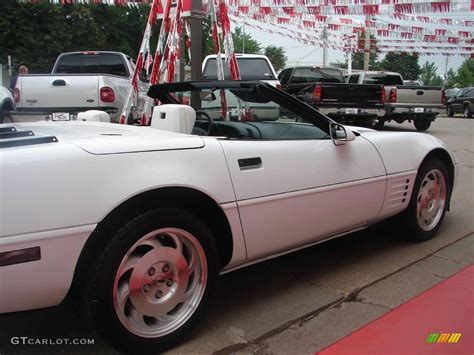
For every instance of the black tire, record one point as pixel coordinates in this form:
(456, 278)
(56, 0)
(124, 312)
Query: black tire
(98, 297)
(5, 116)
(379, 124)
(422, 124)
(467, 113)
(409, 218)
(450, 111)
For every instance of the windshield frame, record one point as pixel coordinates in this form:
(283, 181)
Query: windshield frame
(162, 92)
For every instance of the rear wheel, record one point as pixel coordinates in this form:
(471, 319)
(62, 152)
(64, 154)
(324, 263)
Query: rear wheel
(467, 112)
(450, 111)
(428, 202)
(422, 125)
(5, 117)
(152, 282)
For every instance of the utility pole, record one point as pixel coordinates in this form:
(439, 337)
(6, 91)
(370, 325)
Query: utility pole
(195, 21)
(446, 71)
(367, 44)
(243, 37)
(325, 48)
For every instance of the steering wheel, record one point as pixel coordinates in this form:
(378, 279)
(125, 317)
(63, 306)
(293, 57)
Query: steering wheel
(206, 121)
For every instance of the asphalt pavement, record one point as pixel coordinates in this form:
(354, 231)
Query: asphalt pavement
(304, 301)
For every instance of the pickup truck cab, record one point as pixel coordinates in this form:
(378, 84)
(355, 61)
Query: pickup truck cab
(251, 66)
(420, 104)
(324, 89)
(79, 81)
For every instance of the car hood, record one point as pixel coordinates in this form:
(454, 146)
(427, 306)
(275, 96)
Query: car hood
(112, 138)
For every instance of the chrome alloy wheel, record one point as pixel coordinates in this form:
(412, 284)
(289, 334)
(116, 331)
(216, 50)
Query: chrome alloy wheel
(431, 200)
(160, 282)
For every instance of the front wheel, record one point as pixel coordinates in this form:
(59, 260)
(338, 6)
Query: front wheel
(467, 112)
(153, 280)
(427, 208)
(450, 111)
(422, 125)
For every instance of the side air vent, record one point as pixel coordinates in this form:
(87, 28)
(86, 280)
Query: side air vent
(398, 192)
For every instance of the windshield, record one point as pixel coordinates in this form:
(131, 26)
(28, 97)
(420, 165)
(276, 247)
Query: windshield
(250, 69)
(249, 113)
(383, 79)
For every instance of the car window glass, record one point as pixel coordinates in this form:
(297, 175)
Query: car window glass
(383, 79)
(91, 64)
(250, 115)
(284, 76)
(354, 79)
(69, 64)
(112, 64)
(316, 75)
(250, 69)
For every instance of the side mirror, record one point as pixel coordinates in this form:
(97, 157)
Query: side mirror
(206, 95)
(340, 135)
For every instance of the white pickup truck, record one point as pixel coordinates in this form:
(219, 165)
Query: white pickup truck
(420, 104)
(79, 81)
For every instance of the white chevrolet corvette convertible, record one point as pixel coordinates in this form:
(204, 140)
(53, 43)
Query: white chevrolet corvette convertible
(140, 221)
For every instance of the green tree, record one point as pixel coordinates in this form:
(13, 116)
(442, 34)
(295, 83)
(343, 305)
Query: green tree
(251, 45)
(403, 63)
(451, 80)
(465, 73)
(429, 75)
(277, 56)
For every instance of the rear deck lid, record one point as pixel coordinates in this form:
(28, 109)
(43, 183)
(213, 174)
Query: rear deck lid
(108, 138)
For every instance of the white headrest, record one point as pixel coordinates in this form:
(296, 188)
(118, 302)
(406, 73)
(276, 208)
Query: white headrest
(94, 116)
(174, 118)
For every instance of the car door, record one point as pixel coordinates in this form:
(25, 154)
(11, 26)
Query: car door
(293, 189)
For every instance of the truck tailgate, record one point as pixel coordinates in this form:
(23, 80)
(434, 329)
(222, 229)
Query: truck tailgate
(351, 95)
(59, 91)
(420, 95)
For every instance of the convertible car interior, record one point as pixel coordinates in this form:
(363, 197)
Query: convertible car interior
(249, 115)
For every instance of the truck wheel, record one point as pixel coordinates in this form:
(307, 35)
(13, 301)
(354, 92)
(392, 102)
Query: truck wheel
(450, 111)
(467, 112)
(422, 125)
(379, 124)
(5, 117)
(429, 199)
(152, 281)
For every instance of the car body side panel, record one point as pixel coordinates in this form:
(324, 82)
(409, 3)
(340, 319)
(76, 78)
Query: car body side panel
(59, 185)
(403, 151)
(44, 282)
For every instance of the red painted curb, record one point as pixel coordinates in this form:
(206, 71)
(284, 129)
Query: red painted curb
(446, 308)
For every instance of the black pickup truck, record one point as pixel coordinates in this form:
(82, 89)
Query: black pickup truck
(324, 89)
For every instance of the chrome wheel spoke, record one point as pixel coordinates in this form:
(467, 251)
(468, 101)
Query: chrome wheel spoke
(160, 282)
(431, 199)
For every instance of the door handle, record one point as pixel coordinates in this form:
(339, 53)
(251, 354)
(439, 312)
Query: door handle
(59, 82)
(250, 163)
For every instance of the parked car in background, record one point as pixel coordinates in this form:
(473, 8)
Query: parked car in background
(6, 104)
(463, 103)
(79, 81)
(450, 93)
(420, 104)
(324, 89)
